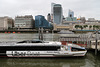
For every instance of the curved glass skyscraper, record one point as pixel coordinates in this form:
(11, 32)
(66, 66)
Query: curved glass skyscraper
(56, 11)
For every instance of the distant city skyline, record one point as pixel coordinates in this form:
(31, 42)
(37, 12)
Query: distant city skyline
(84, 8)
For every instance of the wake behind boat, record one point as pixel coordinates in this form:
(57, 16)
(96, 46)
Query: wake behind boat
(38, 48)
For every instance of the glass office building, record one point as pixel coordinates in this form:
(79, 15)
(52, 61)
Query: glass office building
(40, 21)
(56, 10)
(71, 14)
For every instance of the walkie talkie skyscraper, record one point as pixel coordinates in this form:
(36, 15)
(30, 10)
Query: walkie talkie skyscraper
(57, 13)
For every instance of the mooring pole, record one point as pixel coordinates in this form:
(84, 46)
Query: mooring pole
(42, 33)
(96, 43)
(39, 33)
(52, 35)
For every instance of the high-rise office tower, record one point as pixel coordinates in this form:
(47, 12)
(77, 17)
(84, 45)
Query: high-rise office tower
(71, 14)
(52, 5)
(56, 13)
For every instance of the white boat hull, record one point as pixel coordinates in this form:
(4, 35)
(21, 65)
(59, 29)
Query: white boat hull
(44, 53)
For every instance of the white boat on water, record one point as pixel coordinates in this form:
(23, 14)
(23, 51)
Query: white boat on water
(38, 48)
(65, 32)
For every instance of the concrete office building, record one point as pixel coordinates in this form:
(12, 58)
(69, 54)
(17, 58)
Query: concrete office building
(70, 22)
(82, 19)
(62, 27)
(24, 22)
(6, 23)
(57, 13)
(91, 20)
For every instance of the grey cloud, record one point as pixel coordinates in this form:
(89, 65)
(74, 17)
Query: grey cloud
(87, 8)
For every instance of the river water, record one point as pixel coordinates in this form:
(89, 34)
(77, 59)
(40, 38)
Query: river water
(90, 60)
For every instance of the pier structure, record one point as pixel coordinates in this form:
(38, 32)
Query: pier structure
(86, 40)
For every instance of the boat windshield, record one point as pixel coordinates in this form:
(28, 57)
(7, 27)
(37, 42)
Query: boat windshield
(64, 48)
(31, 41)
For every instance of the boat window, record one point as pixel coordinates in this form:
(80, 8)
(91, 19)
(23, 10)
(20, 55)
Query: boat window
(64, 48)
(32, 48)
(30, 42)
(22, 42)
(36, 41)
(77, 49)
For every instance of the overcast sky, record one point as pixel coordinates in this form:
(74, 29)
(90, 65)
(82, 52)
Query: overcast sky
(86, 8)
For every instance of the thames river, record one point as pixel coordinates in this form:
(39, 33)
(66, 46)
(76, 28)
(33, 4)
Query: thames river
(90, 60)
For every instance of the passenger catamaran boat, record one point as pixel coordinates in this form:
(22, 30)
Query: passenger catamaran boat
(38, 48)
